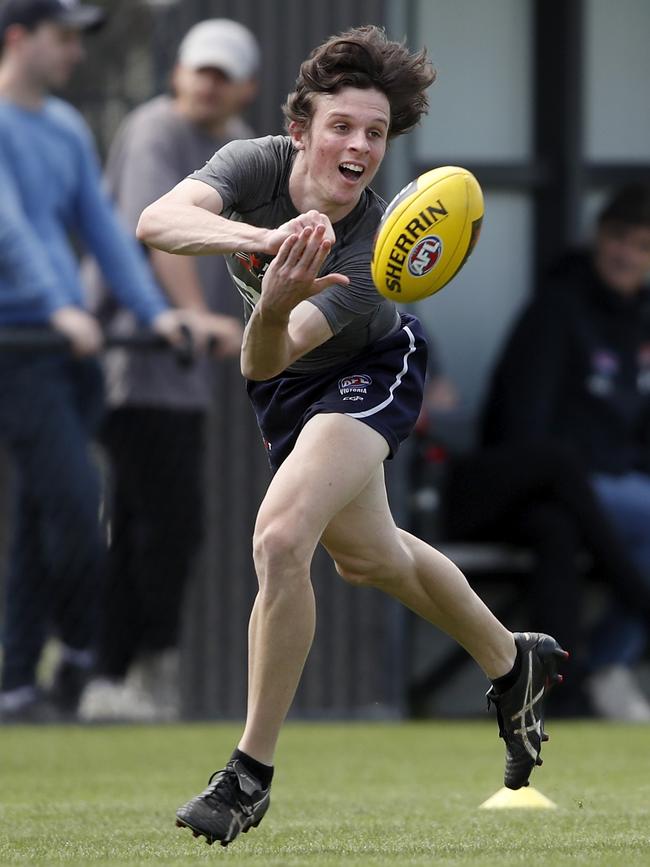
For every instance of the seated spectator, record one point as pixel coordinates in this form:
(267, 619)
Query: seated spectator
(569, 411)
(531, 495)
(538, 496)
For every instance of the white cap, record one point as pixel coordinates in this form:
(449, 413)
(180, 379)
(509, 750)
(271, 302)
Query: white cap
(222, 44)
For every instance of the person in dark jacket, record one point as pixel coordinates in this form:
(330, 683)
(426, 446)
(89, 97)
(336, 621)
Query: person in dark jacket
(575, 375)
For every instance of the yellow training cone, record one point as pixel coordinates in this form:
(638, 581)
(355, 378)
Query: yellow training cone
(527, 797)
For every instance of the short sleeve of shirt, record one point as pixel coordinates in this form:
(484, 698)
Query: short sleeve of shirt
(246, 173)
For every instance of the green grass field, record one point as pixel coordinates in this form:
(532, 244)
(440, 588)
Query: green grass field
(357, 794)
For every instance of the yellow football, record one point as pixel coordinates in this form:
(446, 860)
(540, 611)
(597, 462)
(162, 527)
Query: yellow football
(426, 234)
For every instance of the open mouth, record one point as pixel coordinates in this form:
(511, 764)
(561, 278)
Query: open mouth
(351, 171)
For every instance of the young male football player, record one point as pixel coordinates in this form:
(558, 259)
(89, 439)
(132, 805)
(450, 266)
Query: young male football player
(297, 218)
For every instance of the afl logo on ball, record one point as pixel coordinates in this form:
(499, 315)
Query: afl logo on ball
(424, 256)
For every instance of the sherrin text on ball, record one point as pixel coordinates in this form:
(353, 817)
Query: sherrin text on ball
(427, 233)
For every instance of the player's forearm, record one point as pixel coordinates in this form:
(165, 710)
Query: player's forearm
(266, 348)
(194, 231)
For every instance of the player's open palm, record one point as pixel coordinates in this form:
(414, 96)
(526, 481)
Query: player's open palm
(293, 275)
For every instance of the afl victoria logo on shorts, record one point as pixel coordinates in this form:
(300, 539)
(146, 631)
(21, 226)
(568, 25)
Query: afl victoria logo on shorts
(354, 387)
(424, 255)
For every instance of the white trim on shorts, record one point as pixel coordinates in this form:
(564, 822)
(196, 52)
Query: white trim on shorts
(398, 380)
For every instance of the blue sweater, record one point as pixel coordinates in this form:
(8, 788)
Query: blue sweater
(50, 192)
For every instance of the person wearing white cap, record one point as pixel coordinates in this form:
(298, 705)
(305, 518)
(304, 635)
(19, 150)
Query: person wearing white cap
(155, 428)
(215, 77)
(224, 44)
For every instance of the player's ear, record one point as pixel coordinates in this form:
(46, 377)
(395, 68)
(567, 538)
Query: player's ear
(297, 133)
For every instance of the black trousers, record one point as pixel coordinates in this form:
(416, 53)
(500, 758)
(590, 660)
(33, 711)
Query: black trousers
(155, 519)
(50, 407)
(541, 496)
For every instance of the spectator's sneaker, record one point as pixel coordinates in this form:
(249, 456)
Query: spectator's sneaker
(520, 710)
(67, 685)
(233, 802)
(108, 701)
(157, 676)
(616, 695)
(35, 709)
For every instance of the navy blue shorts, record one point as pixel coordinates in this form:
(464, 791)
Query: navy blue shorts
(382, 387)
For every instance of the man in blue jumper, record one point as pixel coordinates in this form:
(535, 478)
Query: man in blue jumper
(51, 402)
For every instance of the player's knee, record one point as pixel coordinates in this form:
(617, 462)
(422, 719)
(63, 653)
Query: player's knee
(278, 550)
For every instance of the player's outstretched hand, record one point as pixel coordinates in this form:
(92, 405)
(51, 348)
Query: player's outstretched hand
(308, 220)
(80, 328)
(293, 275)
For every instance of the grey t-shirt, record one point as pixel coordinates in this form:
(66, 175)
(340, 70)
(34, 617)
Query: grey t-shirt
(154, 149)
(252, 178)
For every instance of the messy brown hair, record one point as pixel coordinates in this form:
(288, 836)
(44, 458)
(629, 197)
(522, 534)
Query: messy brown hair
(364, 57)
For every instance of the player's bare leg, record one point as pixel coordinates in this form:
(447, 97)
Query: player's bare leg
(317, 494)
(369, 549)
(311, 486)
